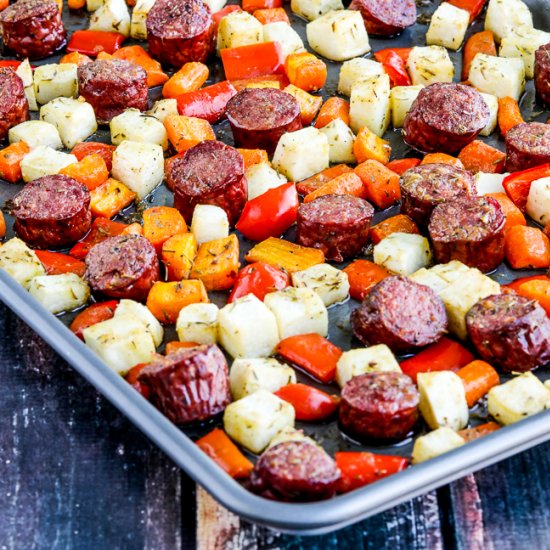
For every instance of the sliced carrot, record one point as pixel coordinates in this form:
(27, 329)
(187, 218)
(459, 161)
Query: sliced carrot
(478, 378)
(478, 156)
(56, 263)
(362, 276)
(132, 229)
(178, 254)
(514, 285)
(90, 171)
(306, 71)
(77, 58)
(527, 247)
(442, 158)
(4, 4)
(171, 347)
(537, 290)
(509, 114)
(104, 150)
(185, 132)
(110, 198)
(396, 224)
(2, 225)
(380, 183)
(470, 434)
(333, 108)
(160, 223)
(400, 166)
(368, 145)
(137, 55)
(10, 161)
(188, 79)
(480, 42)
(512, 213)
(309, 104)
(253, 156)
(271, 15)
(166, 300)
(313, 183)
(345, 184)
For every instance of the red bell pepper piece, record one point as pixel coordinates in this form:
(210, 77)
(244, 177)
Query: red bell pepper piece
(514, 285)
(219, 15)
(310, 404)
(399, 166)
(252, 5)
(102, 228)
(208, 103)
(253, 60)
(403, 53)
(518, 184)
(87, 148)
(10, 63)
(312, 353)
(92, 315)
(92, 42)
(270, 214)
(394, 66)
(443, 355)
(56, 263)
(472, 6)
(361, 468)
(259, 279)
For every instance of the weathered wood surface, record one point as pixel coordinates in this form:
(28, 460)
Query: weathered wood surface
(74, 473)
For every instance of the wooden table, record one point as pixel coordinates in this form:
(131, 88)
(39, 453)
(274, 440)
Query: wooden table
(74, 473)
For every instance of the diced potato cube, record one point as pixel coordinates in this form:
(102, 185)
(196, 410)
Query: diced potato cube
(435, 443)
(142, 314)
(448, 26)
(538, 201)
(503, 16)
(20, 262)
(135, 126)
(53, 80)
(262, 177)
(75, 120)
(139, 166)
(401, 99)
(248, 376)
(370, 104)
(340, 141)
(291, 434)
(518, 398)
(430, 64)
(354, 362)
(30, 94)
(138, 28)
(489, 183)
(111, 16)
(298, 311)
(239, 29)
(247, 328)
(59, 293)
(492, 102)
(255, 420)
(92, 5)
(427, 277)
(451, 271)
(329, 283)
(338, 35)
(198, 323)
(498, 76)
(523, 42)
(36, 133)
(44, 161)
(24, 72)
(312, 9)
(355, 70)
(163, 108)
(209, 223)
(285, 35)
(403, 253)
(293, 156)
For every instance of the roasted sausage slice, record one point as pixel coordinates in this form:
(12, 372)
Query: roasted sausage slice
(527, 146)
(14, 107)
(386, 17)
(542, 73)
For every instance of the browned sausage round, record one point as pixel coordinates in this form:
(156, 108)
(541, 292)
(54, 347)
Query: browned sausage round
(336, 224)
(111, 86)
(260, 116)
(179, 32)
(400, 313)
(386, 17)
(379, 405)
(33, 28)
(444, 118)
(424, 187)
(295, 471)
(510, 331)
(209, 173)
(52, 212)
(125, 266)
(542, 73)
(527, 145)
(471, 231)
(14, 107)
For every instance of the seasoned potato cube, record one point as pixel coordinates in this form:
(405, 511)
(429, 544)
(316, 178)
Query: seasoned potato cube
(163, 108)
(448, 26)
(247, 328)
(518, 398)
(503, 16)
(354, 362)
(239, 29)
(370, 105)
(20, 262)
(523, 42)
(285, 35)
(215, 5)
(31, 98)
(489, 183)
(538, 201)
(492, 102)
(435, 443)
(291, 434)
(298, 311)
(293, 156)
(401, 99)
(24, 72)
(427, 277)
(138, 28)
(403, 253)
(255, 420)
(329, 283)
(209, 223)
(451, 271)
(53, 80)
(340, 141)
(430, 64)
(498, 76)
(198, 323)
(355, 70)
(36, 133)
(59, 293)
(135, 126)
(75, 120)
(262, 177)
(247, 376)
(139, 166)
(143, 314)
(338, 35)
(312, 9)
(111, 16)
(44, 161)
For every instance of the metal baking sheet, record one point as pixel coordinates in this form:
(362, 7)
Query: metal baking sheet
(311, 518)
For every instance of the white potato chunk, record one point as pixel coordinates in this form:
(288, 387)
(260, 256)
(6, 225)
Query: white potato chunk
(92, 5)
(44, 161)
(427, 277)
(503, 16)
(492, 102)
(20, 262)
(293, 156)
(255, 420)
(24, 72)
(285, 35)
(403, 253)
(340, 141)
(59, 293)
(313, 9)
(401, 100)
(163, 108)
(31, 98)
(142, 314)
(111, 16)
(443, 400)
(215, 5)
(452, 270)
(329, 283)
(209, 223)
(139, 166)
(298, 311)
(489, 183)
(523, 42)
(354, 362)
(291, 434)
(75, 120)
(261, 177)
(121, 342)
(435, 443)
(448, 26)
(538, 201)
(53, 80)
(518, 398)
(136, 126)
(247, 328)
(338, 35)
(138, 27)
(357, 69)
(239, 29)
(198, 323)
(248, 376)
(430, 64)
(36, 133)
(498, 76)
(370, 104)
